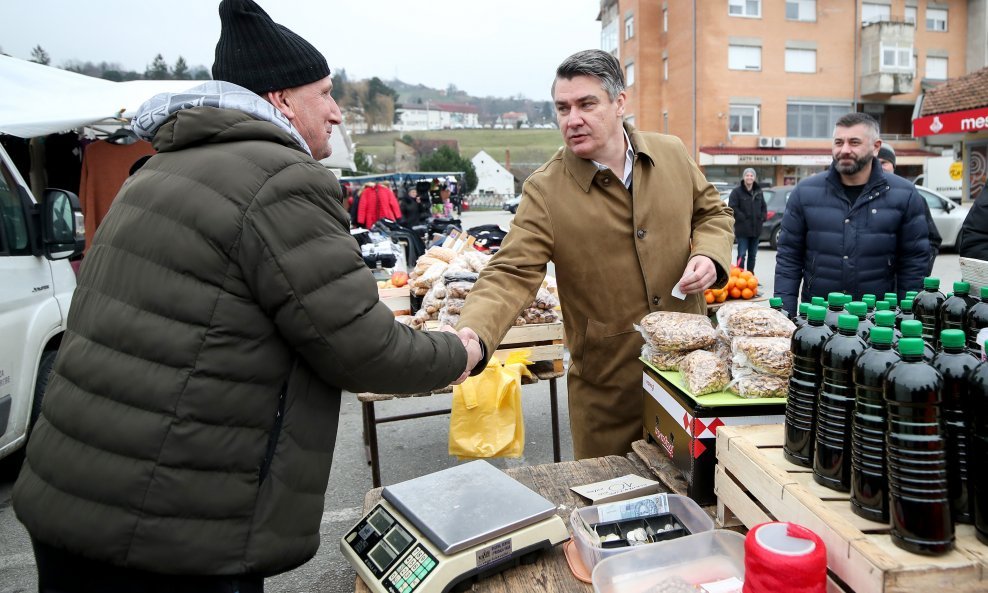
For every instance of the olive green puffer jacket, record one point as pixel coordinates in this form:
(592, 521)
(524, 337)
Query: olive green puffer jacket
(190, 423)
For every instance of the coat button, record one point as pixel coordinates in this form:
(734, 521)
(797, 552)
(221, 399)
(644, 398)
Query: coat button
(607, 180)
(655, 301)
(847, 220)
(845, 257)
(641, 233)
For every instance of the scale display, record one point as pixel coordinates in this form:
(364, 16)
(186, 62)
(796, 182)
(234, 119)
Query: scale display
(430, 533)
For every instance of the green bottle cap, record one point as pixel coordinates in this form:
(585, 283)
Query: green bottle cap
(984, 292)
(885, 319)
(892, 300)
(880, 335)
(882, 306)
(906, 305)
(911, 347)
(962, 287)
(847, 322)
(819, 302)
(834, 298)
(911, 329)
(891, 295)
(775, 302)
(870, 300)
(952, 338)
(804, 308)
(931, 283)
(911, 294)
(816, 313)
(857, 308)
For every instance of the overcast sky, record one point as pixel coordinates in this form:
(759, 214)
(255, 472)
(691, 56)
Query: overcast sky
(497, 47)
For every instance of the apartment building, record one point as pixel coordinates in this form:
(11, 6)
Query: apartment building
(760, 83)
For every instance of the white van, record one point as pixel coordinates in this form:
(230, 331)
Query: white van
(36, 285)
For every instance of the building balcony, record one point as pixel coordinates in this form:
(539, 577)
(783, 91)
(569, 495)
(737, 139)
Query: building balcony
(887, 63)
(882, 85)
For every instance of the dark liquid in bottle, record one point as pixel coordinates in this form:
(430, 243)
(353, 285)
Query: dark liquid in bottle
(955, 365)
(978, 384)
(804, 385)
(832, 457)
(869, 479)
(926, 310)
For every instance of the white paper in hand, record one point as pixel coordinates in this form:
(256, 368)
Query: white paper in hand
(679, 294)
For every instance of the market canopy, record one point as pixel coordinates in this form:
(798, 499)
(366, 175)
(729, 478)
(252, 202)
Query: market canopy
(38, 100)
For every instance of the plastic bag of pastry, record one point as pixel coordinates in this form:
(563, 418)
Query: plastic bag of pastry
(519, 321)
(721, 347)
(668, 330)
(771, 356)
(753, 385)
(422, 264)
(453, 305)
(428, 277)
(545, 300)
(758, 321)
(662, 359)
(729, 308)
(447, 318)
(405, 320)
(443, 253)
(703, 372)
(459, 289)
(431, 303)
(475, 260)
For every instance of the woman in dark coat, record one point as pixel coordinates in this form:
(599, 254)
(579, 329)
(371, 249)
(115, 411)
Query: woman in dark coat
(749, 208)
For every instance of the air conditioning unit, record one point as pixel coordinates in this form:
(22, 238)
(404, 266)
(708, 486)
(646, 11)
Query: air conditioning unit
(764, 142)
(779, 142)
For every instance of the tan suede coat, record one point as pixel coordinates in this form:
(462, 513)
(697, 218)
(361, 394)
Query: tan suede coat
(617, 257)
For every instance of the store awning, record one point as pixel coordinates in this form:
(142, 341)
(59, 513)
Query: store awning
(968, 121)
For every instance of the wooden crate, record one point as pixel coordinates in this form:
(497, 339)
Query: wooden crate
(755, 484)
(399, 300)
(542, 341)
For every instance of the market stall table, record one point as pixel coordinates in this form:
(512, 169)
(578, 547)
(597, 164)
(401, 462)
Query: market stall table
(544, 344)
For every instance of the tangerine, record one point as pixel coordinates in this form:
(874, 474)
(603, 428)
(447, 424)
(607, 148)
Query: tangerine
(746, 274)
(730, 283)
(747, 293)
(752, 283)
(736, 292)
(722, 296)
(708, 296)
(735, 271)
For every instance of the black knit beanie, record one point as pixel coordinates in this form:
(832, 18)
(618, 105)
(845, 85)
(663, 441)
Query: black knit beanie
(259, 54)
(887, 153)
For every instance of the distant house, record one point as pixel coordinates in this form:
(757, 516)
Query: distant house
(513, 119)
(437, 116)
(492, 177)
(407, 155)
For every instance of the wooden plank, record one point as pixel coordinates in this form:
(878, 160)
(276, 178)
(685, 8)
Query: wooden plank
(535, 353)
(731, 496)
(536, 332)
(776, 458)
(661, 466)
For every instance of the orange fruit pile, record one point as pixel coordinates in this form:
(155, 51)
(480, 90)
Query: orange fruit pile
(741, 285)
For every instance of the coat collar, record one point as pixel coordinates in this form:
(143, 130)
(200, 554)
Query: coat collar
(584, 170)
(876, 178)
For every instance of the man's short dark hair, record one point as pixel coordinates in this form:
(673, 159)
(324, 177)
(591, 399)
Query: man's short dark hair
(854, 118)
(595, 63)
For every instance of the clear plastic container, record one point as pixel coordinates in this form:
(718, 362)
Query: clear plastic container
(703, 558)
(687, 518)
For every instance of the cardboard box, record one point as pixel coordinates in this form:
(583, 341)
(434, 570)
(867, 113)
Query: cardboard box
(685, 427)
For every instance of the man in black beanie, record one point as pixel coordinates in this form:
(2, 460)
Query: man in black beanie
(188, 428)
(886, 156)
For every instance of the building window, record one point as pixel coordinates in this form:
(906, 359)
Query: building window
(744, 119)
(744, 57)
(629, 74)
(665, 20)
(874, 13)
(748, 8)
(897, 57)
(609, 38)
(936, 19)
(813, 120)
(629, 26)
(665, 68)
(911, 15)
(936, 68)
(801, 10)
(801, 60)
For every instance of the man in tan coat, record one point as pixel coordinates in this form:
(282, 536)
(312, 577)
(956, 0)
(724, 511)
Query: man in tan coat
(625, 216)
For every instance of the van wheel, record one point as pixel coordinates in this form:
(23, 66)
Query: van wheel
(45, 368)
(774, 238)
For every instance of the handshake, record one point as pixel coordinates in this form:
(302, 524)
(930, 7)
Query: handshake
(471, 343)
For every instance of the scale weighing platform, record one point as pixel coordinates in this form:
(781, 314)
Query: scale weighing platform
(446, 529)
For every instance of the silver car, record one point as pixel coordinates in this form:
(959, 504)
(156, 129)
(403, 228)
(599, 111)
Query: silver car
(947, 215)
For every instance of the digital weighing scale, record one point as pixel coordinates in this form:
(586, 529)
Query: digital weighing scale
(436, 532)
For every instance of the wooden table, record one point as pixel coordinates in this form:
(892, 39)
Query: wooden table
(544, 344)
(550, 573)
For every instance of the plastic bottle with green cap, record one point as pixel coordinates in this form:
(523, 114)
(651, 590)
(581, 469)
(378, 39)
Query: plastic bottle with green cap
(976, 324)
(800, 319)
(776, 303)
(870, 300)
(804, 387)
(911, 294)
(919, 498)
(978, 485)
(955, 364)
(832, 451)
(926, 309)
(954, 310)
(869, 481)
(914, 329)
(906, 310)
(819, 301)
(835, 308)
(883, 306)
(887, 319)
(860, 310)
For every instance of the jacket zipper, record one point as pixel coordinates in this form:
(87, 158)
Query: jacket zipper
(273, 437)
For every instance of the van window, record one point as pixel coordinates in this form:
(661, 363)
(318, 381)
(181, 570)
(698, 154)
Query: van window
(12, 216)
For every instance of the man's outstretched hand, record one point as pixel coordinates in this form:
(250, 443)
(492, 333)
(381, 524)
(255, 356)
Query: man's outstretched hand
(471, 343)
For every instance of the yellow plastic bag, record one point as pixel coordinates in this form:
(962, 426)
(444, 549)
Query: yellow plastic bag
(486, 418)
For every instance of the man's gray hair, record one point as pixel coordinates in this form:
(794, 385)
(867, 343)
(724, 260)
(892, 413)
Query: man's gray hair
(854, 118)
(595, 63)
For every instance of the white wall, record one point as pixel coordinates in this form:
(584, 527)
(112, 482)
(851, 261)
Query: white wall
(491, 176)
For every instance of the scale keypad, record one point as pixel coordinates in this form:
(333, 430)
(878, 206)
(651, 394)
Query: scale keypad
(407, 575)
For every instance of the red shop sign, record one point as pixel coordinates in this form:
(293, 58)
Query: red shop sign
(955, 122)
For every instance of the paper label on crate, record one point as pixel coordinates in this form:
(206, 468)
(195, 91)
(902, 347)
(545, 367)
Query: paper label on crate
(623, 488)
(731, 585)
(645, 506)
(493, 553)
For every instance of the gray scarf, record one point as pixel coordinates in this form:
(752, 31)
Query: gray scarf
(215, 93)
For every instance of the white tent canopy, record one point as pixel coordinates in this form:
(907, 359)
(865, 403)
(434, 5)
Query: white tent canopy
(38, 100)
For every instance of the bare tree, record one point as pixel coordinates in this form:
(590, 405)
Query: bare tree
(40, 56)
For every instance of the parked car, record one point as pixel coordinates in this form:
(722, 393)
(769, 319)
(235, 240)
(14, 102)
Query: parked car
(511, 204)
(775, 204)
(947, 215)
